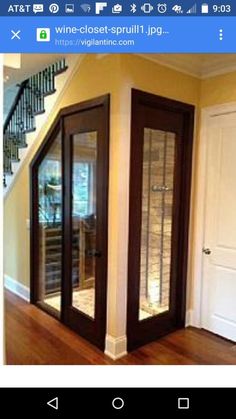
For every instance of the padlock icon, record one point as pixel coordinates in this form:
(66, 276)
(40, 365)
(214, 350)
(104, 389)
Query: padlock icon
(43, 34)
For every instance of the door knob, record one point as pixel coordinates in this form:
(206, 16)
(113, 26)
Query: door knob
(206, 251)
(94, 253)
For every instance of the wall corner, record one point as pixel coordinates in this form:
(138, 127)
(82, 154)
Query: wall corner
(116, 348)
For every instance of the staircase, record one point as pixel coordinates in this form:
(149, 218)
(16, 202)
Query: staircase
(29, 102)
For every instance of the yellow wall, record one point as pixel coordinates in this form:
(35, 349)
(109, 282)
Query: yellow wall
(152, 77)
(115, 74)
(94, 77)
(217, 90)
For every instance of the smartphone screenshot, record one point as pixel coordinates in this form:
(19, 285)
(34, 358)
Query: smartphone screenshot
(118, 203)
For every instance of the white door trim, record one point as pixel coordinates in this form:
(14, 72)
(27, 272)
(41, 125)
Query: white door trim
(199, 203)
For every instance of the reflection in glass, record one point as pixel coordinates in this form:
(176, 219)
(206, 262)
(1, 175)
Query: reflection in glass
(157, 200)
(84, 221)
(50, 225)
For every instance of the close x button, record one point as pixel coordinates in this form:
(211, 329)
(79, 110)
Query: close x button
(15, 34)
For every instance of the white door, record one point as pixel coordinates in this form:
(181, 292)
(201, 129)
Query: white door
(219, 267)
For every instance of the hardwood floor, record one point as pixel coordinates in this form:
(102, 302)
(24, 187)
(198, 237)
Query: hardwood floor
(34, 337)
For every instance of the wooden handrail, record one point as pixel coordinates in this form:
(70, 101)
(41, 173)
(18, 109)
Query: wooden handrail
(15, 103)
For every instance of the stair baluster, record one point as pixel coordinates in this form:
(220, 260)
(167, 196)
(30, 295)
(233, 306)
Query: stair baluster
(28, 103)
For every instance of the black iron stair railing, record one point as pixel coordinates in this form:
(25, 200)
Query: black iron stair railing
(28, 103)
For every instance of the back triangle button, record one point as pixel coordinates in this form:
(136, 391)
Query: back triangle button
(53, 403)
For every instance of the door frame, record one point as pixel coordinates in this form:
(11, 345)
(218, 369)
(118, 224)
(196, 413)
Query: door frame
(195, 314)
(57, 126)
(188, 113)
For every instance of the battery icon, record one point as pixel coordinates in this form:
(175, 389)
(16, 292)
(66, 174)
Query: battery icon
(205, 8)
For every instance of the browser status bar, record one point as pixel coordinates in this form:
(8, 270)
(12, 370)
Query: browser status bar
(118, 8)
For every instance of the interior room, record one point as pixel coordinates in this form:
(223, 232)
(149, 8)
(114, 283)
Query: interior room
(119, 203)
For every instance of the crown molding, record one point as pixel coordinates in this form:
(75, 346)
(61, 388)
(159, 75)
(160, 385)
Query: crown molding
(219, 72)
(177, 64)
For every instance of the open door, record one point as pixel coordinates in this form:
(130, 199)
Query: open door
(160, 178)
(69, 197)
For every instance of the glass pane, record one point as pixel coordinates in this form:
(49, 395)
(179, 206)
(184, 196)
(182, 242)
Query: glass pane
(84, 221)
(157, 200)
(50, 226)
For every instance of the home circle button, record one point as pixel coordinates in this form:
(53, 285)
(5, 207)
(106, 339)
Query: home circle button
(118, 403)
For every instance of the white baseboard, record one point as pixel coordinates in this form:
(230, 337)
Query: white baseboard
(189, 319)
(192, 319)
(116, 348)
(16, 287)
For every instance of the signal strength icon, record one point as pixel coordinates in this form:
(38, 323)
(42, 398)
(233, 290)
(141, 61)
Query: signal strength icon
(192, 10)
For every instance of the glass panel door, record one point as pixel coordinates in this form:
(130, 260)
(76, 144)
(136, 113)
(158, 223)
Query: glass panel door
(86, 154)
(69, 218)
(157, 200)
(50, 226)
(160, 178)
(84, 217)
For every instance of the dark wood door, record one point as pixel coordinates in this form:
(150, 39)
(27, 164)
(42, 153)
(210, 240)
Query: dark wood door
(160, 178)
(85, 222)
(69, 219)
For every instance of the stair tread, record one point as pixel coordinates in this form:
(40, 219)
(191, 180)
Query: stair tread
(39, 112)
(50, 92)
(28, 130)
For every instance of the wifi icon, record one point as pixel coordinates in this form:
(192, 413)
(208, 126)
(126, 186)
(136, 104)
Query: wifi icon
(86, 7)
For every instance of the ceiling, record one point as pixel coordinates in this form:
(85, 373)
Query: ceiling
(29, 64)
(198, 65)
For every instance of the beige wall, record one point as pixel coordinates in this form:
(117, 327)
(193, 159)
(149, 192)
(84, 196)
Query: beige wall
(97, 75)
